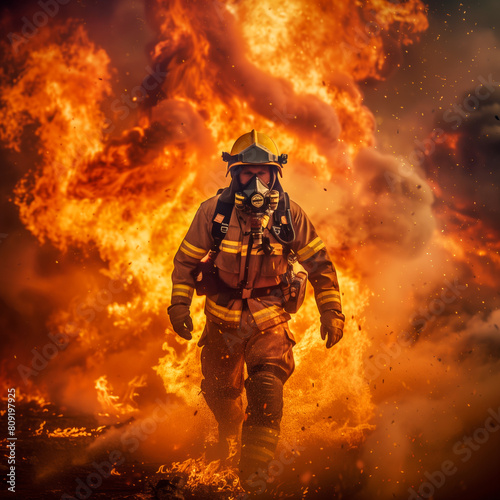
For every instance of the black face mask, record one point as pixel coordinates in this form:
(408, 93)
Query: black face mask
(256, 197)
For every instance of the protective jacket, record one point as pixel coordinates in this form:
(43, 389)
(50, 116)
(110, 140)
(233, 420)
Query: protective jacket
(263, 270)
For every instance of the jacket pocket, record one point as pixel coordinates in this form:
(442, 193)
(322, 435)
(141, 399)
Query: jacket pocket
(228, 265)
(273, 265)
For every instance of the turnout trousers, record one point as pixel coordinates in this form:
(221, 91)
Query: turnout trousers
(269, 360)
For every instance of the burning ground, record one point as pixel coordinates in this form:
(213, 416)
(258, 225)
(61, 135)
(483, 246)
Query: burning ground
(112, 124)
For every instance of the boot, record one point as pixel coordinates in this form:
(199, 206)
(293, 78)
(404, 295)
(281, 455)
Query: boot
(224, 449)
(258, 445)
(261, 429)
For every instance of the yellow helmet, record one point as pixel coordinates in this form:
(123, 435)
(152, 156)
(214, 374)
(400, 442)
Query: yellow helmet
(254, 148)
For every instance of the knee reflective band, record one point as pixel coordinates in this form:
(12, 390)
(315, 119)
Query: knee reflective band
(265, 400)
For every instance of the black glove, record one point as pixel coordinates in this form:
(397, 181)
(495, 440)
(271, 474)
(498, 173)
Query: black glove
(332, 327)
(181, 320)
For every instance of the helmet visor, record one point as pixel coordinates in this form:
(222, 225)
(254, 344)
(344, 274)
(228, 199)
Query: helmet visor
(254, 154)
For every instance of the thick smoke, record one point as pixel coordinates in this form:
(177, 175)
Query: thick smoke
(465, 162)
(434, 370)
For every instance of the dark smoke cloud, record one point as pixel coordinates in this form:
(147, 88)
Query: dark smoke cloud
(435, 396)
(385, 193)
(439, 389)
(468, 173)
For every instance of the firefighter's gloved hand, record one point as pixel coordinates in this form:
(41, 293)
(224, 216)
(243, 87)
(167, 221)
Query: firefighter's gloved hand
(181, 320)
(332, 327)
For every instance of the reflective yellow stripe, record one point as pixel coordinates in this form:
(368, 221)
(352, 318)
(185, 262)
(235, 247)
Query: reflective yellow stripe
(310, 249)
(268, 311)
(182, 291)
(230, 246)
(277, 250)
(192, 251)
(229, 250)
(222, 312)
(259, 442)
(309, 245)
(326, 300)
(259, 430)
(185, 287)
(233, 249)
(257, 453)
(231, 243)
(272, 440)
(328, 296)
(193, 248)
(266, 434)
(190, 254)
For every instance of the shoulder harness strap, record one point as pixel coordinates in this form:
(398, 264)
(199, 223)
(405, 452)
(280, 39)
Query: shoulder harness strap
(282, 227)
(220, 223)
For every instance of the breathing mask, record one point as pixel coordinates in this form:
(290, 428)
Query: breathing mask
(260, 202)
(256, 197)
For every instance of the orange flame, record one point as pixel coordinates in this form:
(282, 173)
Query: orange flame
(110, 403)
(290, 67)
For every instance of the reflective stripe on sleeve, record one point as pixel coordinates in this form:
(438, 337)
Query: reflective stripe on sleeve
(182, 291)
(310, 249)
(192, 251)
(328, 296)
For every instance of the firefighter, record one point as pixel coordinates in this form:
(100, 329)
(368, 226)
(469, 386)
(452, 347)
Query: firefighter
(247, 236)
